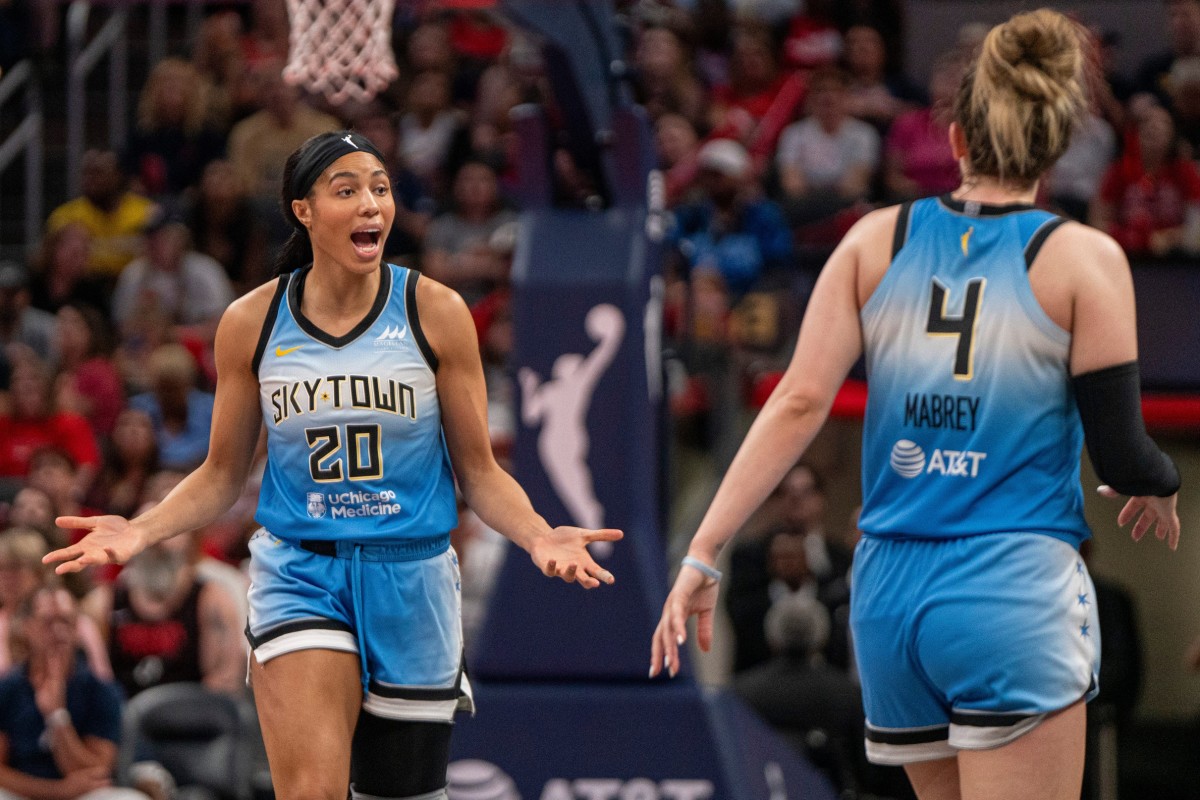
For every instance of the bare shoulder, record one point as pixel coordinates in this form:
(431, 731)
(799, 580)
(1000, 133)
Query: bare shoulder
(445, 316)
(1083, 252)
(241, 324)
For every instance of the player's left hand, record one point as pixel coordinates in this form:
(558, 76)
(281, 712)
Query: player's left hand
(1149, 511)
(563, 554)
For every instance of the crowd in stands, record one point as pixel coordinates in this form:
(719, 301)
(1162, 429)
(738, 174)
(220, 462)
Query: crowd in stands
(777, 124)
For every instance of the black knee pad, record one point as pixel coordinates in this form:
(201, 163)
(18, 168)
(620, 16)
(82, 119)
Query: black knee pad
(398, 758)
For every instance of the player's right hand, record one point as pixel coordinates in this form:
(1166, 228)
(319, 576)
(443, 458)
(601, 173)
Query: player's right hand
(110, 540)
(693, 593)
(1149, 511)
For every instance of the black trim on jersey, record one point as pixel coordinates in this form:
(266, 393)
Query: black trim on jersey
(939, 733)
(296, 295)
(414, 320)
(295, 627)
(269, 323)
(983, 209)
(1039, 238)
(901, 234)
(988, 720)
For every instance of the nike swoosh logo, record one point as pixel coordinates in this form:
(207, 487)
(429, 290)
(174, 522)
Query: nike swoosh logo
(279, 351)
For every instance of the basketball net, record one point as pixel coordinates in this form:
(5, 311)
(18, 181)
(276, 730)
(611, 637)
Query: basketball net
(341, 48)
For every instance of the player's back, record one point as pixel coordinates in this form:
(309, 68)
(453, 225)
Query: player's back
(971, 426)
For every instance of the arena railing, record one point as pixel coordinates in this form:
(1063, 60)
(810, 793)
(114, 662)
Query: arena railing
(20, 82)
(112, 40)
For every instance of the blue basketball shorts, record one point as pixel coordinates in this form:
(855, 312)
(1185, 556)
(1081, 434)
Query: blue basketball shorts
(969, 643)
(397, 605)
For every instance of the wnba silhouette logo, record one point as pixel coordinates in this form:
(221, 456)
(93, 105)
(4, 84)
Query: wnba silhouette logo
(472, 779)
(908, 459)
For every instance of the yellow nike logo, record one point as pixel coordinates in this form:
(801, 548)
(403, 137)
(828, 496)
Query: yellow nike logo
(279, 351)
(966, 237)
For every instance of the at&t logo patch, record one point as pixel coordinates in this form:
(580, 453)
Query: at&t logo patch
(909, 460)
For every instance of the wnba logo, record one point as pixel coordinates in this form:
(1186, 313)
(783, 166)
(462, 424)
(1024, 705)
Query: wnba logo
(908, 459)
(471, 779)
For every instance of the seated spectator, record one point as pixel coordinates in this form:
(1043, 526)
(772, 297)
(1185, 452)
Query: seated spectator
(60, 271)
(1147, 196)
(1074, 180)
(88, 382)
(22, 325)
(1183, 41)
(829, 155)
(816, 707)
(667, 82)
(260, 144)
(678, 147)
(113, 216)
(813, 40)
(131, 459)
(188, 288)
(428, 125)
(32, 508)
(917, 157)
(224, 226)
(1185, 103)
(876, 96)
(23, 574)
(59, 722)
(34, 422)
(730, 231)
(217, 59)
(167, 625)
(456, 248)
(172, 140)
(181, 413)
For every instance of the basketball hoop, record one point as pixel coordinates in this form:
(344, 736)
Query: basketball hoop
(341, 49)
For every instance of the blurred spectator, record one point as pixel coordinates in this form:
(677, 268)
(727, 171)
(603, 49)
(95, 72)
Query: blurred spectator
(816, 707)
(1185, 103)
(801, 498)
(259, 145)
(885, 16)
(22, 573)
(456, 248)
(33, 422)
(713, 23)
(666, 80)
(32, 508)
(428, 49)
(167, 625)
(1149, 200)
(21, 325)
(266, 43)
(730, 231)
(225, 227)
(186, 287)
(813, 39)
(217, 59)
(181, 413)
(172, 140)
(1183, 39)
(678, 148)
(828, 156)
(60, 271)
(876, 96)
(52, 471)
(131, 459)
(59, 722)
(88, 382)
(918, 160)
(428, 125)
(1074, 180)
(759, 100)
(112, 215)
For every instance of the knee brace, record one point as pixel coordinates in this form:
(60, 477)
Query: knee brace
(393, 758)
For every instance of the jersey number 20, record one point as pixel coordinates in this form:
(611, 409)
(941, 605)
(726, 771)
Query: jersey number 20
(363, 456)
(962, 326)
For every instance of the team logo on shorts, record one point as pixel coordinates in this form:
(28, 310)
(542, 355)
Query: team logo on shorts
(316, 505)
(908, 459)
(472, 779)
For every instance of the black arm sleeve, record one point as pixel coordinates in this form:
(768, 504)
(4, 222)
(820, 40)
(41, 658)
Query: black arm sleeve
(1124, 455)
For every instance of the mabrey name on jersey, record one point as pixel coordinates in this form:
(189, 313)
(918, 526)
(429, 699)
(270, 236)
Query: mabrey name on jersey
(946, 411)
(369, 392)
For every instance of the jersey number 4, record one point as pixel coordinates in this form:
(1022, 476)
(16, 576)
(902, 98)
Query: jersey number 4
(363, 456)
(962, 326)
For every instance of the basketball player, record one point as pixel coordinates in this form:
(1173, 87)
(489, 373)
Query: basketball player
(997, 339)
(369, 381)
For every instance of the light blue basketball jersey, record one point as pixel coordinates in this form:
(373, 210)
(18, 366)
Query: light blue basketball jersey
(971, 426)
(355, 449)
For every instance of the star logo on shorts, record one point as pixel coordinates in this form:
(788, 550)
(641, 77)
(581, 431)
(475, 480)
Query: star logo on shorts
(1083, 601)
(1085, 630)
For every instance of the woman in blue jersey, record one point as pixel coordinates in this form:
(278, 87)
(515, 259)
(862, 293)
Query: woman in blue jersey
(368, 380)
(997, 339)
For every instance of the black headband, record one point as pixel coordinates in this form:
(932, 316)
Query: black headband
(319, 156)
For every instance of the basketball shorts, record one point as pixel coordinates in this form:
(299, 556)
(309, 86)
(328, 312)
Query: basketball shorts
(397, 605)
(969, 643)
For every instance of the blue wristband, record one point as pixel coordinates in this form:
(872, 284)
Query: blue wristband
(702, 568)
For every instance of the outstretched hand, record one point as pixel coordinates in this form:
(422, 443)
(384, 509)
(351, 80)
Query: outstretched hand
(1149, 511)
(110, 540)
(693, 593)
(564, 554)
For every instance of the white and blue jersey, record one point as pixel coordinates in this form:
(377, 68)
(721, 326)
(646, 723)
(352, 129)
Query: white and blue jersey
(971, 425)
(354, 432)
(973, 614)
